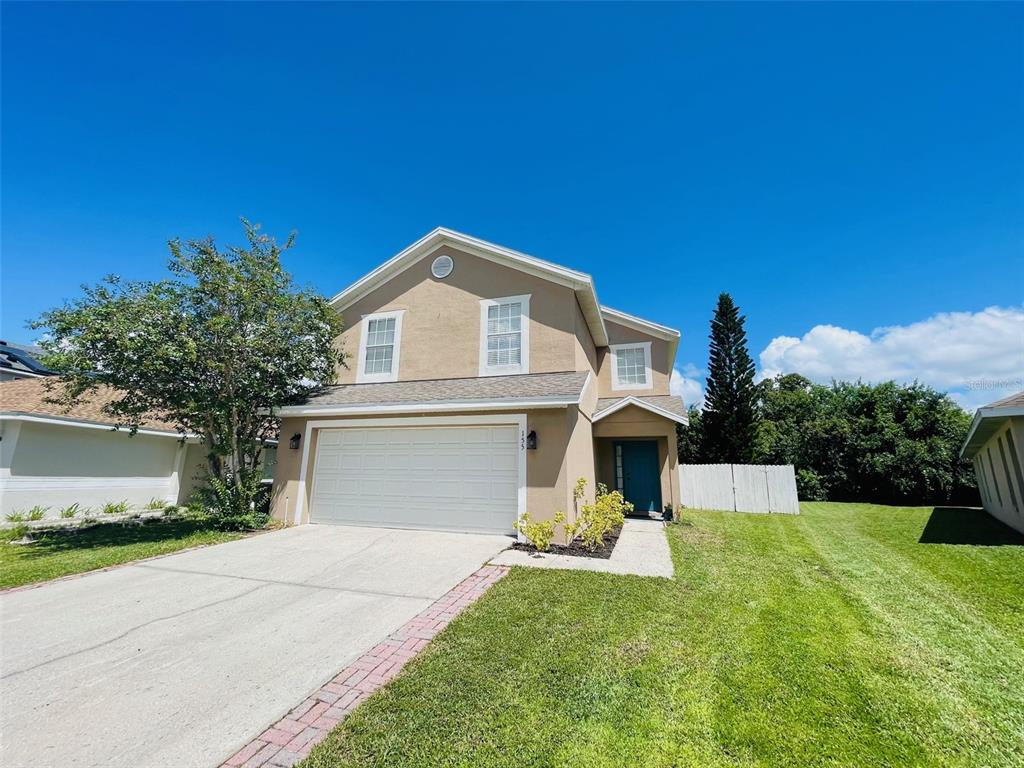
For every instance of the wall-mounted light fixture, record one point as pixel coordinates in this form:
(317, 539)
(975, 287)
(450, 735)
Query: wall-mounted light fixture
(531, 441)
(294, 442)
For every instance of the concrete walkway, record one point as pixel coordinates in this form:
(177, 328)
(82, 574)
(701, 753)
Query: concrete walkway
(183, 660)
(642, 550)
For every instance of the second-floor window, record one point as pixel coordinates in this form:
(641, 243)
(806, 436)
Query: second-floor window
(631, 366)
(504, 335)
(379, 347)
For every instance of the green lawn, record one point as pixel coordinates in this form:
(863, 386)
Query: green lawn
(60, 554)
(843, 637)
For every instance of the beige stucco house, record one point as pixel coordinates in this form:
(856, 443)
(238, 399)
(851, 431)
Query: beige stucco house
(481, 384)
(994, 445)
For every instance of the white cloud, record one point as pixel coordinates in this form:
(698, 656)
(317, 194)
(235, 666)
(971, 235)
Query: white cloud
(687, 384)
(977, 356)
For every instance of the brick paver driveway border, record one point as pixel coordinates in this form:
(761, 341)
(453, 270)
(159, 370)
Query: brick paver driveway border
(290, 739)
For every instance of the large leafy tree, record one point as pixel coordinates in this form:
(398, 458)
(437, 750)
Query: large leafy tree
(730, 402)
(861, 442)
(215, 348)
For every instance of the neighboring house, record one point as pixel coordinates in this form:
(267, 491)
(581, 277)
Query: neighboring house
(19, 361)
(481, 384)
(994, 445)
(54, 458)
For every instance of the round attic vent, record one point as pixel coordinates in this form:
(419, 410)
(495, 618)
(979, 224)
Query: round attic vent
(442, 267)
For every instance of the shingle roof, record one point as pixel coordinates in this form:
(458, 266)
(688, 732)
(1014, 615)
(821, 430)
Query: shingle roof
(1013, 401)
(30, 397)
(988, 420)
(669, 403)
(527, 386)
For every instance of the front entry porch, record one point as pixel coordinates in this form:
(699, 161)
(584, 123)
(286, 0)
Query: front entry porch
(635, 453)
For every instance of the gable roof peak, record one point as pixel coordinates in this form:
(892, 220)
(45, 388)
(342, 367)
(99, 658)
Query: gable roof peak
(580, 282)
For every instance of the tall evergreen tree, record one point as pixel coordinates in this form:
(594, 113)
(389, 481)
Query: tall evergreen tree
(730, 404)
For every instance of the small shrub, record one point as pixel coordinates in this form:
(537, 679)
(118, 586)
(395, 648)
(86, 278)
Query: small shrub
(597, 520)
(235, 504)
(16, 517)
(155, 503)
(38, 512)
(116, 508)
(572, 530)
(70, 511)
(18, 532)
(541, 532)
(195, 509)
(579, 489)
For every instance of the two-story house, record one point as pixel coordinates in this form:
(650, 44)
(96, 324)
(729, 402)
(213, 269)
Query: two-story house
(481, 384)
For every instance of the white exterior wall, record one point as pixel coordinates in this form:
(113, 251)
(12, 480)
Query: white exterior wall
(55, 465)
(1002, 491)
(193, 473)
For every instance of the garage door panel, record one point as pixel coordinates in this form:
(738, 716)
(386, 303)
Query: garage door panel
(346, 461)
(448, 461)
(422, 462)
(504, 490)
(449, 490)
(500, 463)
(397, 460)
(457, 477)
(353, 437)
(335, 438)
(477, 492)
(374, 442)
(421, 436)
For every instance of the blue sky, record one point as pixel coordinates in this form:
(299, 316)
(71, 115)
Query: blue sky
(852, 173)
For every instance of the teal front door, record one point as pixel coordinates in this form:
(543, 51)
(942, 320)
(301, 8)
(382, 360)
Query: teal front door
(636, 474)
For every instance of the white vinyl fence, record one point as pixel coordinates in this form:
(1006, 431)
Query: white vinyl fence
(739, 487)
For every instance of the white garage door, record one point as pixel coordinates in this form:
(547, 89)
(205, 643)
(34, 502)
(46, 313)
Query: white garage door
(456, 478)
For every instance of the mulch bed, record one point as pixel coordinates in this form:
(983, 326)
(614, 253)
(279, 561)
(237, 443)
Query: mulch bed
(576, 549)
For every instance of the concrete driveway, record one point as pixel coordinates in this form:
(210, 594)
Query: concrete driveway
(180, 661)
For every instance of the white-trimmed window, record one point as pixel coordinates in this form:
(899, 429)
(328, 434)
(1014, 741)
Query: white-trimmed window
(379, 345)
(505, 335)
(631, 366)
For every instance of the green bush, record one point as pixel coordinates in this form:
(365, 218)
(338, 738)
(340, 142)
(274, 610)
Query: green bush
(38, 512)
(235, 504)
(597, 520)
(70, 511)
(116, 508)
(155, 503)
(16, 517)
(541, 532)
